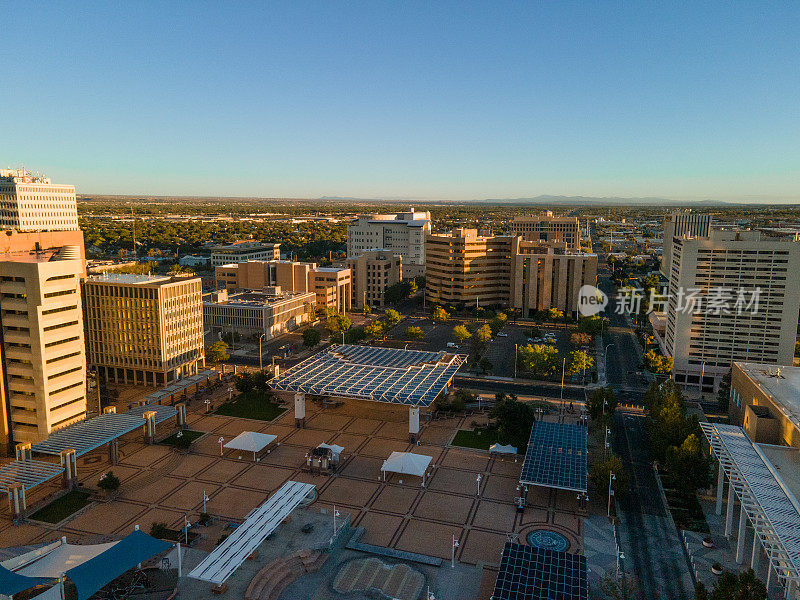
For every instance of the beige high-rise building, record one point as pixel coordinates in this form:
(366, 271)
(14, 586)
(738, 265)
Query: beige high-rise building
(42, 345)
(681, 223)
(548, 228)
(465, 268)
(333, 285)
(548, 276)
(401, 233)
(144, 329)
(372, 272)
(32, 203)
(707, 329)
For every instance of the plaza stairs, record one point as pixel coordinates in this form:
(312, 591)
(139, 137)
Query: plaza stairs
(270, 582)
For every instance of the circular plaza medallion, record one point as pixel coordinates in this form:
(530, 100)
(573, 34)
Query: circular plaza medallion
(550, 540)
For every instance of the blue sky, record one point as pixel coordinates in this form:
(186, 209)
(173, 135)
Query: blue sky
(450, 100)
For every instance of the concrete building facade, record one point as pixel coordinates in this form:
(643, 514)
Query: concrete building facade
(333, 286)
(682, 223)
(269, 313)
(401, 233)
(43, 356)
(32, 203)
(548, 228)
(372, 272)
(144, 329)
(704, 341)
(243, 251)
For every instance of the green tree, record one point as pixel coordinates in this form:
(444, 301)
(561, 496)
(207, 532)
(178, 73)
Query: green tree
(367, 310)
(579, 362)
(413, 288)
(724, 393)
(337, 323)
(484, 334)
(311, 337)
(689, 463)
(439, 314)
(245, 382)
(601, 405)
(620, 588)
(217, 352)
(542, 360)
(554, 314)
(580, 339)
(374, 330)
(390, 318)
(461, 333)
(656, 363)
(734, 586)
(108, 482)
(592, 325)
(485, 365)
(498, 322)
(513, 420)
(415, 333)
(599, 474)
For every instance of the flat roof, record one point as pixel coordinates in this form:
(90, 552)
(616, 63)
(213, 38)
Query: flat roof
(129, 278)
(556, 456)
(530, 573)
(391, 375)
(780, 383)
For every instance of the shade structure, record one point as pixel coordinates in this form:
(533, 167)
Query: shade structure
(64, 557)
(335, 450)
(528, 573)
(29, 473)
(230, 554)
(500, 449)
(89, 435)
(381, 374)
(406, 463)
(181, 384)
(12, 583)
(251, 441)
(769, 504)
(104, 568)
(556, 457)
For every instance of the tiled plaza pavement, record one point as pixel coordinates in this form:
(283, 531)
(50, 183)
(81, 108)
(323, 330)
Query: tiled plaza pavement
(161, 485)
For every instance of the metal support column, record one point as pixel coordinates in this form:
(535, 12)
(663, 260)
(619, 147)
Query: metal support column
(729, 513)
(741, 535)
(720, 486)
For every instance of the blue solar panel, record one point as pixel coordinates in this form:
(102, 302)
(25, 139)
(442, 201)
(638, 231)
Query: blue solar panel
(528, 573)
(556, 456)
(410, 377)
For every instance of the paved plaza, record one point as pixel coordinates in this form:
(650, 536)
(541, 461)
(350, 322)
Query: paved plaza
(160, 484)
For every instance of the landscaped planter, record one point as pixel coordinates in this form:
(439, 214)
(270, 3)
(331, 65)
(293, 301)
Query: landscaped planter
(708, 542)
(717, 569)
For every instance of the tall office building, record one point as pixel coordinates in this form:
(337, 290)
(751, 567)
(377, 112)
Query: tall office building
(372, 272)
(733, 296)
(32, 203)
(682, 223)
(43, 359)
(548, 228)
(240, 252)
(466, 268)
(144, 329)
(402, 233)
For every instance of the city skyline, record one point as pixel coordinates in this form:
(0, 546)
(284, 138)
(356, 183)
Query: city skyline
(445, 102)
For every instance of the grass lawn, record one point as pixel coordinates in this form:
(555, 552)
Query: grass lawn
(480, 439)
(189, 434)
(252, 405)
(62, 507)
(685, 508)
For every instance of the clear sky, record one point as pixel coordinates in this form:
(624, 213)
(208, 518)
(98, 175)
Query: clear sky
(451, 100)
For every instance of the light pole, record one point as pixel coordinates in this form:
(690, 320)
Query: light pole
(515, 361)
(260, 360)
(606, 443)
(563, 368)
(186, 530)
(205, 499)
(221, 440)
(453, 555)
(230, 393)
(605, 357)
(611, 477)
(478, 481)
(335, 514)
(702, 376)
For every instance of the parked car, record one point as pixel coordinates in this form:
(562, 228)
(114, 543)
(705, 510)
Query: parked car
(501, 334)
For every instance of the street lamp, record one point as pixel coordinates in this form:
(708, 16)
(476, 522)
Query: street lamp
(260, 360)
(478, 481)
(453, 555)
(205, 499)
(221, 440)
(611, 477)
(563, 368)
(515, 360)
(607, 444)
(335, 514)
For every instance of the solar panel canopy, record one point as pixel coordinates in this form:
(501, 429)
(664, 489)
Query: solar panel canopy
(528, 573)
(410, 377)
(556, 456)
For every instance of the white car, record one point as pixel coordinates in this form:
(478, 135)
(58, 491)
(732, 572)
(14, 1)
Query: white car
(501, 334)
(452, 345)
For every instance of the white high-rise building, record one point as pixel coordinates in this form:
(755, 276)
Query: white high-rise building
(32, 203)
(679, 223)
(401, 233)
(733, 296)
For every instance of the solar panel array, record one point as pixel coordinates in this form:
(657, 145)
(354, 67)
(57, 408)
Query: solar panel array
(556, 456)
(528, 573)
(382, 374)
(86, 436)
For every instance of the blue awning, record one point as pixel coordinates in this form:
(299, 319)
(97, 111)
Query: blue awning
(106, 567)
(12, 583)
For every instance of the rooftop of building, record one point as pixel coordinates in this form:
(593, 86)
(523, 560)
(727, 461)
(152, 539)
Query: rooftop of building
(780, 383)
(331, 269)
(256, 298)
(244, 245)
(786, 461)
(22, 176)
(137, 278)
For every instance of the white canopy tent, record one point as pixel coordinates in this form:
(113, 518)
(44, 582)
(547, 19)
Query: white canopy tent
(63, 558)
(500, 449)
(406, 463)
(251, 441)
(335, 450)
